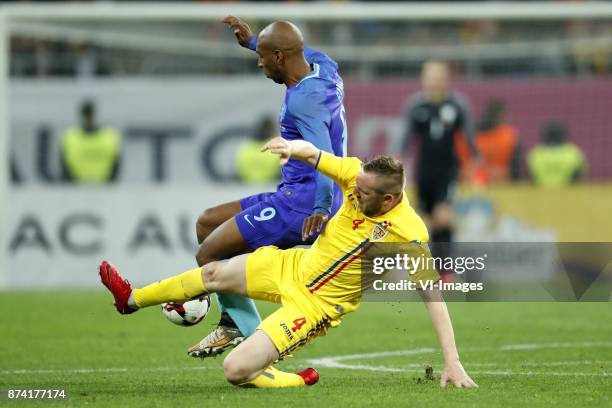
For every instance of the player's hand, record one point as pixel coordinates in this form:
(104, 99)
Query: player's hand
(279, 146)
(456, 375)
(242, 31)
(313, 224)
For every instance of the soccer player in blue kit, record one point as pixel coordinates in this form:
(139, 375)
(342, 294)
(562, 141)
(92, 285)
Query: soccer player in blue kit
(312, 110)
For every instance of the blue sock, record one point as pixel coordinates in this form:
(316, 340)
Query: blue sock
(242, 310)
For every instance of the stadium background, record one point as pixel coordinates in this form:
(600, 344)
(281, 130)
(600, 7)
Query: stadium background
(172, 80)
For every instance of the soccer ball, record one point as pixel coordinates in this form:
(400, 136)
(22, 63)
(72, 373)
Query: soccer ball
(188, 313)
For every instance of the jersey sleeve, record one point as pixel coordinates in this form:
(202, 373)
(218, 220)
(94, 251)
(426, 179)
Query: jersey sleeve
(426, 271)
(253, 43)
(313, 119)
(313, 55)
(343, 170)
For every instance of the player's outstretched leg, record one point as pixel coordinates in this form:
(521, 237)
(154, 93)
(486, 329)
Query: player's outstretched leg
(250, 365)
(223, 276)
(177, 288)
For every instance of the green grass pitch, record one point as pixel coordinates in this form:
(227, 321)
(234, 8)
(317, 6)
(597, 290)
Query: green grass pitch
(521, 354)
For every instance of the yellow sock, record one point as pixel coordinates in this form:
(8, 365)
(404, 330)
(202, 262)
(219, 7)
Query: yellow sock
(273, 378)
(178, 288)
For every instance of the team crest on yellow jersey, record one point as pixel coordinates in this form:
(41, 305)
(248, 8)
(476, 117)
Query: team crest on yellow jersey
(380, 231)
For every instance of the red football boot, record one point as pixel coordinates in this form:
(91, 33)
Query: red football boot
(309, 375)
(119, 287)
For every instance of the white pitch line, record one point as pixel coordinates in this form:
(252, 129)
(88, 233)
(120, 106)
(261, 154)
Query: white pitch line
(546, 373)
(339, 361)
(527, 363)
(536, 346)
(114, 370)
(427, 350)
(475, 372)
(415, 369)
(101, 370)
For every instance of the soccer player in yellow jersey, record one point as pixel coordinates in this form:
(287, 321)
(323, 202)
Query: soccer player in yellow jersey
(315, 286)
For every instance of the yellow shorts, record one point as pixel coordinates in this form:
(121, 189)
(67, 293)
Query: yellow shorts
(274, 275)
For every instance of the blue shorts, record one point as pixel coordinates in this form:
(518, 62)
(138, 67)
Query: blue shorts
(269, 219)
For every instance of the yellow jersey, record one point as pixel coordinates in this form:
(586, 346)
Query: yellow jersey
(331, 268)
(91, 157)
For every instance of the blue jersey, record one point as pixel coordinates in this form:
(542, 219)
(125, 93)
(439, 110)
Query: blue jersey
(313, 110)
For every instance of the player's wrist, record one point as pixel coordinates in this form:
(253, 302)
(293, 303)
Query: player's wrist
(303, 150)
(451, 359)
(450, 353)
(321, 210)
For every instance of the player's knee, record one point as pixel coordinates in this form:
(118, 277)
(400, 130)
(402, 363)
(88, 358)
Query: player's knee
(211, 276)
(206, 223)
(235, 371)
(202, 257)
(209, 251)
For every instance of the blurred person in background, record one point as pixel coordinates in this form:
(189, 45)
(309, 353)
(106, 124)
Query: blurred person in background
(90, 153)
(251, 165)
(498, 144)
(555, 162)
(436, 115)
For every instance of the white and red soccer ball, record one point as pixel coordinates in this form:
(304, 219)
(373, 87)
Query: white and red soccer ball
(187, 313)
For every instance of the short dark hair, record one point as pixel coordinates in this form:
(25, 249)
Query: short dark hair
(392, 171)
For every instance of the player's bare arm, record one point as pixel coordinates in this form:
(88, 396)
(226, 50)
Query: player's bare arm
(242, 31)
(296, 149)
(453, 371)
